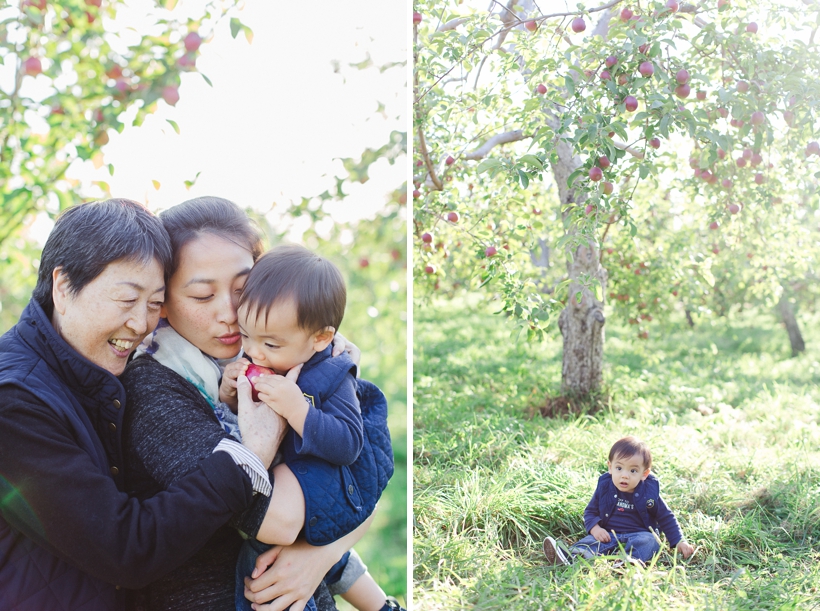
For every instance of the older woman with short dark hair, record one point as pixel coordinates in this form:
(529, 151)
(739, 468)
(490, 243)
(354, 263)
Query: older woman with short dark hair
(70, 537)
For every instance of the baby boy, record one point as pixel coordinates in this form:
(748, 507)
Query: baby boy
(626, 511)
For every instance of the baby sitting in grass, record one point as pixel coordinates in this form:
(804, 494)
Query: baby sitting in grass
(626, 511)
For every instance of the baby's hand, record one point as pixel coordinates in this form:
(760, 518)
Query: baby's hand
(283, 396)
(600, 534)
(685, 549)
(227, 390)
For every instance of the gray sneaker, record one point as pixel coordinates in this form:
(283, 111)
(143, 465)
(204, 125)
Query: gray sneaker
(554, 553)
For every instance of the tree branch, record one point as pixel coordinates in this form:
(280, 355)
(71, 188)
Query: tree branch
(505, 138)
(431, 172)
(452, 24)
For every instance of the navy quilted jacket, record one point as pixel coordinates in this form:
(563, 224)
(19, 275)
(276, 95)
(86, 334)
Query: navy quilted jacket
(70, 539)
(339, 497)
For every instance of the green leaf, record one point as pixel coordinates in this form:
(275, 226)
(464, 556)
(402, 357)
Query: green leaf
(207, 80)
(532, 160)
(525, 180)
(574, 175)
(488, 164)
(665, 125)
(174, 125)
(569, 83)
(236, 26)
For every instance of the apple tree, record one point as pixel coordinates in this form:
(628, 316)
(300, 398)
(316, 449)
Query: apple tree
(630, 141)
(71, 74)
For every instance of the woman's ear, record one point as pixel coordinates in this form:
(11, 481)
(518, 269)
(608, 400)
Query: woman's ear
(59, 290)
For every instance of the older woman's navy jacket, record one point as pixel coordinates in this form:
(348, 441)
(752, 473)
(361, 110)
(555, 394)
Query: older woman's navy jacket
(648, 503)
(69, 537)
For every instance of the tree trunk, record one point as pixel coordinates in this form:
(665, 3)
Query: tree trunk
(786, 310)
(582, 321)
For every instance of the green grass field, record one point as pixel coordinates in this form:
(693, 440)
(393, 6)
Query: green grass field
(732, 421)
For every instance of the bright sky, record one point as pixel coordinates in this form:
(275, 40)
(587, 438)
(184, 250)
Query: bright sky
(278, 114)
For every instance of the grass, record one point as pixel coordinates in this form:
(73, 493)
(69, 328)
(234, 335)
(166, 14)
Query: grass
(734, 425)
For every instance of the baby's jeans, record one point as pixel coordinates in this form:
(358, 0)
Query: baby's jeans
(642, 545)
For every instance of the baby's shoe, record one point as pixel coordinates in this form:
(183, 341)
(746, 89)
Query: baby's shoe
(391, 604)
(554, 553)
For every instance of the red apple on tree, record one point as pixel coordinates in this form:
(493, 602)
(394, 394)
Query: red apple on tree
(427, 238)
(97, 3)
(453, 217)
(430, 269)
(32, 66)
(416, 194)
(603, 162)
(416, 18)
(701, 95)
(734, 208)
(623, 79)
(631, 103)
(682, 91)
(682, 76)
(192, 41)
(655, 143)
(607, 187)
(595, 174)
(714, 225)
(626, 14)
(542, 89)
(672, 5)
(605, 75)
(490, 251)
(252, 373)
(611, 61)
(578, 25)
(646, 69)
(449, 160)
(758, 118)
(751, 27)
(531, 25)
(742, 86)
(171, 95)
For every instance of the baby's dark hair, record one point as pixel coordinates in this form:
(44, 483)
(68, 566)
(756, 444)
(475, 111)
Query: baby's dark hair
(629, 446)
(290, 271)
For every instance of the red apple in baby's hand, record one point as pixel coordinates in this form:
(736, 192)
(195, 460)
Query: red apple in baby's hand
(252, 373)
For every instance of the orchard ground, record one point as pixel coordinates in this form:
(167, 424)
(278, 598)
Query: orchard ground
(732, 421)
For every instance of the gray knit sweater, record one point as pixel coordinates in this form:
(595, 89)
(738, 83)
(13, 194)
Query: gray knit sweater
(168, 428)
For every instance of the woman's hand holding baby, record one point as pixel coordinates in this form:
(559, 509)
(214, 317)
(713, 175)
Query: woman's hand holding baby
(262, 430)
(600, 534)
